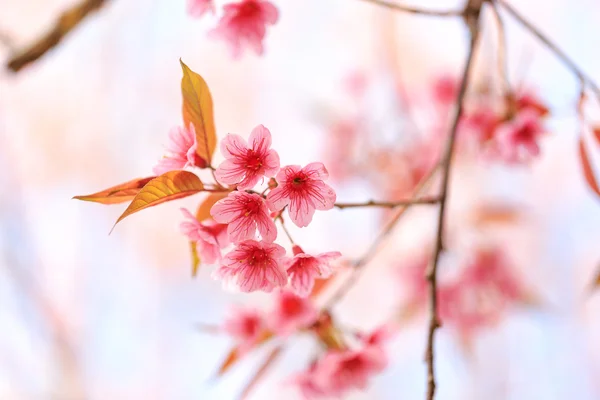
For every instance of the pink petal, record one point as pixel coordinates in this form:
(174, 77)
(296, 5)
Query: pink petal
(226, 210)
(266, 227)
(270, 12)
(271, 163)
(316, 170)
(278, 198)
(229, 172)
(323, 196)
(233, 146)
(249, 181)
(260, 139)
(241, 229)
(301, 210)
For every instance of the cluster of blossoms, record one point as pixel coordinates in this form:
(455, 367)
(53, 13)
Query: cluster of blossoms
(242, 24)
(339, 369)
(477, 298)
(246, 218)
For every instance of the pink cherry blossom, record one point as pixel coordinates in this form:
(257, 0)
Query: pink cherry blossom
(245, 165)
(517, 140)
(303, 269)
(246, 326)
(181, 151)
(197, 8)
(244, 213)
(303, 190)
(210, 237)
(445, 90)
(308, 383)
(244, 23)
(253, 266)
(342, 371)
(291, 313)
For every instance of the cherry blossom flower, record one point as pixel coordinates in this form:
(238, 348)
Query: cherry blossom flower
(244, 23)
(181, 151)
(303, 190)
(197, 8)
(246, 326)
(291, 313)
(342, 371)
(303, 269)
(244, 213)
(308, 383)
(209, 237)
(517, 140)
(253, 266)
(445, 90)
(245, 165)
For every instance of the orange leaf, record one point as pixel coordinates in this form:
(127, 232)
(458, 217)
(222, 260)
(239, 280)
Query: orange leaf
(234, 354)
(117, 194)
(320, 285)
(264, 367)
(203, 211)
(497, 214)
(588, 173)
(198, 110)
(169, 186)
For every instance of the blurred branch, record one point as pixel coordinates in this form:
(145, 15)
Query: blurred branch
(502, 50)
(413, 10)
(67, 21)
(471, 14)
(390, 204)
(372, 250)
(562, 56)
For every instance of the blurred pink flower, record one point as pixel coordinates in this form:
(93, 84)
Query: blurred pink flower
(308, 383)
(210, 237)
(342, 371)
(245, 23)
(303, 269)
(181, 151)
(291, 313)
(303, 190)
(445, 90)
(197, 8)
(244, 213)
(253, 266)
(245, 165)
(246, 326)
(517, 140)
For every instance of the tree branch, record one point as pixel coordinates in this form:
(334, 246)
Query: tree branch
(413, 10)
(390, 204)
(472, 12)
(562, 56)
(63, 26)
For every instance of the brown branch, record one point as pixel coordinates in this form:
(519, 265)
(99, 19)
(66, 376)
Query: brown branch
(472, 12)
(413, 10)
(390, 204)
(361, 262)
(502, 50)
(63, 26)
(562, 56)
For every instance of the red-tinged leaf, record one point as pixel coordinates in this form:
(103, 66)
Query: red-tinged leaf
(119, 193)
(596, 132)
(320, 285)
(170, 186)
(588, 172)
(198, 110)
(234, 354)
(262, 370)
(195, 258)
(203, 211)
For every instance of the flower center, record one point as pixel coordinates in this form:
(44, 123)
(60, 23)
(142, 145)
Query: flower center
(292, 305)
(253, 161)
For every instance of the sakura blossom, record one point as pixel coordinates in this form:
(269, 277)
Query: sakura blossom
(304, 268)
(244, 24)
(291, 313)
(246, 326)
(209, 237)
(244, 213)
(253, 266)
(303, 191)
(517, 140)
(197, 8)
(181, 151)
(308, 383)
(245, 164)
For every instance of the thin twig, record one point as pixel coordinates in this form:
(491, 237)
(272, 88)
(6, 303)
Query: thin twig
(472, 12)
(391, 204)
(287, 233)
(361, 262)
(67, 21)
(414, 10)
(502, 50)
(562, 56)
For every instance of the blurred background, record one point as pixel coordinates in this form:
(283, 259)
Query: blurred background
(85, 315)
